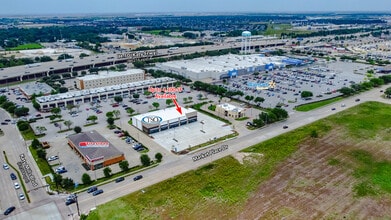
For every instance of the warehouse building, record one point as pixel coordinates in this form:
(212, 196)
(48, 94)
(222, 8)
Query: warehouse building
(164, 119)
(28, 89)
(230, 110)
(95, 150)
(221, 67)
(109, 78)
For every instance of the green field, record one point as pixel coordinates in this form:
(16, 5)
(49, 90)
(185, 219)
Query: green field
(277, 29)
(220, 189)
(27, 47)
(314, 105)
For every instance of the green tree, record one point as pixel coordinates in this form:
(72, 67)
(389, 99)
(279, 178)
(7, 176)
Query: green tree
(306, 94)
(35, 144)
(41, 153)
(92, 118)
(156, 105)
(57, 179)
(147, 93)
(68, 123)
(116, 113)
(145, 160)
(136, 95)
(158, 157)
(21, 111)
(124, 165)
(168, 102)
(70, 107)
(118, 99)
(185, 99)
(259, 99)
(110, 121)
(68, 183)
(77, 129)
(55, 111)
(387, 92)
(110, 114)
(107, 172)
(130, 111)
(346, 91)
(86, 179)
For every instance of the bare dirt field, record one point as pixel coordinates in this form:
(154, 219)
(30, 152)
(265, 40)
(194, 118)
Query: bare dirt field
(317, 182)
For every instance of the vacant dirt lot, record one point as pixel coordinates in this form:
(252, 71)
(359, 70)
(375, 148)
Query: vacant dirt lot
(317, 183)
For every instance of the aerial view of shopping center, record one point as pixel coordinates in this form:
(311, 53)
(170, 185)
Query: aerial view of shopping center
(151, 114)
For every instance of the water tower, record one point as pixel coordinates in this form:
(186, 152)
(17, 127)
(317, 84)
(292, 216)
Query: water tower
(246, 42)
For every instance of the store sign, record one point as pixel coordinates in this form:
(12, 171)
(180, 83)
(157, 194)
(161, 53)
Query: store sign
(88, 144)
(152, 119)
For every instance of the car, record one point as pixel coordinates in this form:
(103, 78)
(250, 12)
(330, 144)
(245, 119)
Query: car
(144, 102)
(38, 115)
(343, 105)
(21, 196)
(120, 179)
(92, 189)
(333, 109)
(138, 177)
(381, 90)
(51, 158)
(117, 131)
(4, 123)
(70, 201)
(9, 210)
(61, 169)
(97, 192)
(13, 176)
(17, 186)
(7, 120)
(357, 100)
(140, 149)
(285, 127)
(5, 166)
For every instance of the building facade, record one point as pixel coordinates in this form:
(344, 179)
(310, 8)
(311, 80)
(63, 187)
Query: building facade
(230, 110)
(109, 78)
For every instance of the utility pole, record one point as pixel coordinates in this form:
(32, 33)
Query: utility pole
(77, 205)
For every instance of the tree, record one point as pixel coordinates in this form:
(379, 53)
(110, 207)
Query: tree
(92, 118)
(259, 99)
(70, 107)
(21, 111)
(387, 92)
(116, 113)
(124, 165)
(107, 172)
(35, 143)
(68, 183)
(145, 160)
(280, 113)
(68, 124)
(158, 157)
(147, 93)
(185, 99)
(199, 96)
(86, 179)
(41, 153)
(306, 94)
(55, 111)
(190, 98)
(346, 91)
(130, 111)
(77, 129)
(118, 99)
(110, 114)
(168, 102)
(110, 121)
(136, 95)
(156, 105)
(57, 179)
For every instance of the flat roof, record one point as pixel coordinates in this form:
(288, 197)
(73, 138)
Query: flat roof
(94, 153)
(166, 114)
(97, 91)
(35, 87)
(223, 63)
(109, 74)
(229, 107)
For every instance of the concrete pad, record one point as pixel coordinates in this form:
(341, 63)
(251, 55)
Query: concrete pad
(183, 137)
(47, 211)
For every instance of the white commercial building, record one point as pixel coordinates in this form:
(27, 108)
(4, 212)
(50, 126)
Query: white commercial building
(109, 78)
(164, 119)
(230, 110)
(220, 67)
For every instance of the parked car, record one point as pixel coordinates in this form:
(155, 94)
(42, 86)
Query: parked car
(61, 169)
(97, 192)
(5, 166)
(9, 210)
(13, 176)
(51, 158)
(17, 186)
(357, 100)
(120, 179)
(285, 127)
(92, 189)
(21, 196)
(139, 177)
(70, 201)
(333, 109)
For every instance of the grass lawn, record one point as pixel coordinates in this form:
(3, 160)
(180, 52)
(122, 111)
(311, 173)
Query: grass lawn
(311, 106)
(27, 47)
(220, 189)
(43, 165)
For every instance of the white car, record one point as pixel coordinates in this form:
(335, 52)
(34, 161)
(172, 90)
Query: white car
(21, 196)
(5, 166)
(17, 186)
(51, 158)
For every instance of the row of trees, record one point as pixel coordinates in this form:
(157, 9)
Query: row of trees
(12, 61)
(359, 87)
(215, 89)
(271, 116)
(12, 108)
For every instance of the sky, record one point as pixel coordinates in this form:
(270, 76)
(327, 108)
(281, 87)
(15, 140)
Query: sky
(28, 7)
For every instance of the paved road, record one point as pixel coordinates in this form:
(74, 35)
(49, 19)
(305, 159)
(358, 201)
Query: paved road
(185, 162)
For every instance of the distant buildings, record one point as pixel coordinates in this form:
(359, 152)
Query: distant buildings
(110, 78)
(230, 110)
(37, 88)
